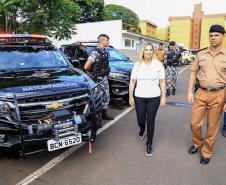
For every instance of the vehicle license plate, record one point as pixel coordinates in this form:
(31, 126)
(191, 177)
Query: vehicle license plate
(64, 142)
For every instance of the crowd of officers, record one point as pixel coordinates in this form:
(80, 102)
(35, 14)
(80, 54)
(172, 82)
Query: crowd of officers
(208, 69)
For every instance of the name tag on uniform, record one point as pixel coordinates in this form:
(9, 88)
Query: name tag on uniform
(202, 60)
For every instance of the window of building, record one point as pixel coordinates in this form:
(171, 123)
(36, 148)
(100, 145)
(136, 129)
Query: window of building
(129, 43)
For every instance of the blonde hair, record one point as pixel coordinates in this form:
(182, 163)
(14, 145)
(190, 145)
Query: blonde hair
(141, 54)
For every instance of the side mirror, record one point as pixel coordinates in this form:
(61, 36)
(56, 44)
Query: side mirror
(75, 63)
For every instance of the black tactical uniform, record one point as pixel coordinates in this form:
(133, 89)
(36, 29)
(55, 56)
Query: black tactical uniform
(172, 61)
(100, 67)
(99, 73)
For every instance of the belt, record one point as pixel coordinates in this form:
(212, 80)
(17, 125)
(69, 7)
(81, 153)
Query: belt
(212, 89)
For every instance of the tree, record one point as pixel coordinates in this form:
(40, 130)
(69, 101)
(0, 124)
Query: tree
(8, 13)
(53, 17)
(92, 10)
(130, 20)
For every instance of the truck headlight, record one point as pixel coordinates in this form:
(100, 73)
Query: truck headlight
(2, 138)
(6, 106)
(120, 76)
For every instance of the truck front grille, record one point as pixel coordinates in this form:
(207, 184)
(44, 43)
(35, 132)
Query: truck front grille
(38, 109)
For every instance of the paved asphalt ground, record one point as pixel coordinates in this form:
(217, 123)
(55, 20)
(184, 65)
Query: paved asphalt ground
(118, 158)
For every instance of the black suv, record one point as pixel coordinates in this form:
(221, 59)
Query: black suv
(45, 102)
(120, 65)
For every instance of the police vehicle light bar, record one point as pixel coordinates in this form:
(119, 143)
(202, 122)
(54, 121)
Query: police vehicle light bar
(23, 36)
(87, 41)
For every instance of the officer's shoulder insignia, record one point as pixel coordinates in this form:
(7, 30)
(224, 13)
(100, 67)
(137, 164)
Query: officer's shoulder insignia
(93, 53)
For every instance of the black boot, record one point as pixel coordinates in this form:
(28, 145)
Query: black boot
(173, 91)
(167, 92)
(106, 116)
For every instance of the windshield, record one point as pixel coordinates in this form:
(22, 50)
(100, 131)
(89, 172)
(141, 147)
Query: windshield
(115, 55)
(30, 58)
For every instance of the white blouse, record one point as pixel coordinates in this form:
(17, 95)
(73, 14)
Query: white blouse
(148, 76)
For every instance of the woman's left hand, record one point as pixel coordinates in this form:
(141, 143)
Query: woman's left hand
(163, 101)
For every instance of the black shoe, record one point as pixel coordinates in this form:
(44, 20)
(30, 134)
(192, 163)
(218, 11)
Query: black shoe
(223, 133)
(193, 150)
(106, 116)
(149, 151)
(167, 92)
(141, 136)
(204, 160)
(173, 91)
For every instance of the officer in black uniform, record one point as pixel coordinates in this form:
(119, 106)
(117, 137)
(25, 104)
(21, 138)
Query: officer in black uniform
(97, 67)
(172, 61)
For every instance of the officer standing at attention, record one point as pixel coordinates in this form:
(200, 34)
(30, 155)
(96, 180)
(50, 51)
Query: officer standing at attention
(172, 61)
(97, 67)
(209, 68)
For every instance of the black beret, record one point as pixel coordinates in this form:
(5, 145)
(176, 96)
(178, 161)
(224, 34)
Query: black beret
(217, 28)
(172, 43)
(103, 35)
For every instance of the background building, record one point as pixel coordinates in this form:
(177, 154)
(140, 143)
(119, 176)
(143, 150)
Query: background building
(192, 32)
(148, 28)
(162, 33)
(207, 21)
(128, 42)
(181, 30)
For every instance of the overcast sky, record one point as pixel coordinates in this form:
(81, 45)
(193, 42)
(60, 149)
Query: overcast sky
(158, 11)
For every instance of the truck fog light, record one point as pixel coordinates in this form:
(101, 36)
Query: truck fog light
(77, 119)
(2, 138)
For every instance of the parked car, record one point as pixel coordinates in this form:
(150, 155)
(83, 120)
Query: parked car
(120, 66)
(187, 57)
(45, 102)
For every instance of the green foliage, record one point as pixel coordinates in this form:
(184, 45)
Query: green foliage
(130, 20)
(92, 10)
(53, 17)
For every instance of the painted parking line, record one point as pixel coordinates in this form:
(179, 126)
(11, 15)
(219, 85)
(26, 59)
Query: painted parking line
(29, 179)
(184, 69)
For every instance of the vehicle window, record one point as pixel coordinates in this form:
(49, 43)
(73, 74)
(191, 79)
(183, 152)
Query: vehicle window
(185, 53)
(30, 58)
(116, 55)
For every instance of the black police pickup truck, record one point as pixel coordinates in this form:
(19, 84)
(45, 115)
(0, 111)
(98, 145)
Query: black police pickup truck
(45, 103)
(120, 65)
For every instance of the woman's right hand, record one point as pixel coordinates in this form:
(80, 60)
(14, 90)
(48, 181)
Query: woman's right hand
(131, 101)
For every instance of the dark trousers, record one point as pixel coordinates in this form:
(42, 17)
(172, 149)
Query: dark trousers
(146, 109)
(224, 124)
